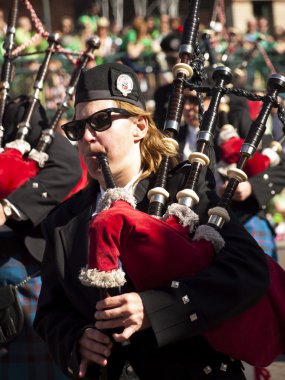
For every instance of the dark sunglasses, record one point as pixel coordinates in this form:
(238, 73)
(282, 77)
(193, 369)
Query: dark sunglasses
(99, 122)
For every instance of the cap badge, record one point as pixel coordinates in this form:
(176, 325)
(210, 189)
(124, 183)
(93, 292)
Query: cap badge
(125, 84)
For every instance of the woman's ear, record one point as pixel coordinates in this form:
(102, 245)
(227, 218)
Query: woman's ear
(141, 128)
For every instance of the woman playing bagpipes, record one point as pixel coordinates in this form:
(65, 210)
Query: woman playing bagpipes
(161, 327)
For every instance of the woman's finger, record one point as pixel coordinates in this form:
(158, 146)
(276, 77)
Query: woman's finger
(83, 367)
(125, 334)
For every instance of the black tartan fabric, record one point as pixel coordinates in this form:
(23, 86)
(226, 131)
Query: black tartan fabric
(26, 358)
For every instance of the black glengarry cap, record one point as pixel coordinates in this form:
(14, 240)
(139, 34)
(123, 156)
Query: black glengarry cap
(110, 81)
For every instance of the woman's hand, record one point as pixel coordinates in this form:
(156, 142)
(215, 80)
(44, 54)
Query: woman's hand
(2, 216)
(125, 311)
(93, 347)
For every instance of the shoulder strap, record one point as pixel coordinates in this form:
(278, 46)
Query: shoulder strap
(27, 279)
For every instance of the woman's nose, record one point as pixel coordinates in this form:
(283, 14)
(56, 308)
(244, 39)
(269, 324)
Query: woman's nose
(89, 133)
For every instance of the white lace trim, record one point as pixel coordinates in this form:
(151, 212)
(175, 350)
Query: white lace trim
(40, 157)
(185, 215)
(210, 234)
(115, 194)
(20, 145)
(102, 279)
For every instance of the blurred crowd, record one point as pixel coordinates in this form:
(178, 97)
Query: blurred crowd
(145, 44)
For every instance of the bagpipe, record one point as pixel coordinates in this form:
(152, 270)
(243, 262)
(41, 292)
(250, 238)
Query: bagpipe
(210, 54)
(39, 153)
(6, 71)
(27, 145)
(229, 143)
(15, 169)
(155, 249)
(258, 340)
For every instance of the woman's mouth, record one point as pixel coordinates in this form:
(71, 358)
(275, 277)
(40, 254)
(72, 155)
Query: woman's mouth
(94, 155)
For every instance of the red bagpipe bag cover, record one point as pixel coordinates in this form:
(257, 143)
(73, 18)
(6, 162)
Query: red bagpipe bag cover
(15, 171)
(15, 167)
(230, 153)
(154, 253)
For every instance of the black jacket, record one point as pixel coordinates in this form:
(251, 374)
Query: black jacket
(40, 194)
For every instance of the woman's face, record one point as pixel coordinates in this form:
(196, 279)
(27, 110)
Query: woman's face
(120, 143)
(190, 113)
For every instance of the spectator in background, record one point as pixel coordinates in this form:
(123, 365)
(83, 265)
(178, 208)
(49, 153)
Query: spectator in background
(90, 18)
(278, 31)
(175, 24)
(263, 27)
(170, 46)
(188, 131)
(24, 32)
(267, 43)
(55, 86)
(82, 33)
(240, 108)
(279, 37)
(67, 26)
(107, 45)
(67, 29)
(137, 45)
(257, 34)
(187, 138)
(116, 33)
(233, 53)
(251, 30)
(279, 49)
(250, 39)
(152, 29)
(164, 25)
(164, 30)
